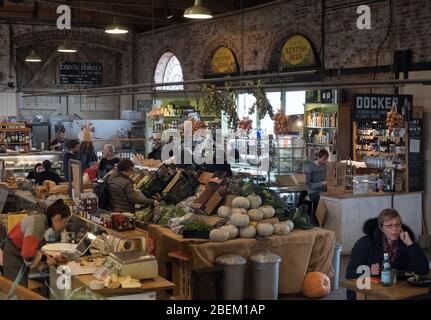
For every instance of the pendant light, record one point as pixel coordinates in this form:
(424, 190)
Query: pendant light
(66, 47)
(33, 57)
(116, 28)
(198, 11)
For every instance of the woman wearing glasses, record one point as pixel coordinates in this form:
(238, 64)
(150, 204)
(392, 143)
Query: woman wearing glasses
(386, 234)
(21, 249)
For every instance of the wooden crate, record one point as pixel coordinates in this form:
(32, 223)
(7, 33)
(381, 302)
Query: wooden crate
(336, 177)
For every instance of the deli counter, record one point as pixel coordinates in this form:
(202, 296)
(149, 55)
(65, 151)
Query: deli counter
(22, 163)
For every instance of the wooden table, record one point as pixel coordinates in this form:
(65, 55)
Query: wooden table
(402, 290)
(21, 292)
(149, 285)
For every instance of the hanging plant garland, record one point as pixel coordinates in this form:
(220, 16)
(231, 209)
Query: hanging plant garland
(212, 101)
(229, 107)
(262, 105)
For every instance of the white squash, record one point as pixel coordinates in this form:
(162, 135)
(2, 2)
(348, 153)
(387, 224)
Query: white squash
(268, 211)
(265, 229)
(219, 235)
(241, 202)
(232, 230)
(238, 210)
(281, 228)
(247, 232)
(224, 211)
(255, 214)
(255, 201)
(240, 220)
(290, 224)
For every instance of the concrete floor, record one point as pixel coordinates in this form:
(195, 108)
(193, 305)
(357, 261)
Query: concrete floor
(340, 293)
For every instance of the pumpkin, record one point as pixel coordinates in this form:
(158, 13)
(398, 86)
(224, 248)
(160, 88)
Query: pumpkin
(255, 201)
(240, 220)
(316, 285)
(224, 211)
(268, 211)
(238, 210)
(255, 214)
(247, 232)
(290, 224)
(232, 230)
(241, 202)
(281, 228)
(219, 235)
(253, 223)
(265, 229)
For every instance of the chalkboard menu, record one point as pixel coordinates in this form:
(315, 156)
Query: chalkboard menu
(415, 153)
(374, 107)
(81, 73)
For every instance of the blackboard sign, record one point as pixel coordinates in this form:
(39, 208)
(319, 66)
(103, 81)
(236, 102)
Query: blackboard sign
(374, 107)
(415, 154)
(81, 73)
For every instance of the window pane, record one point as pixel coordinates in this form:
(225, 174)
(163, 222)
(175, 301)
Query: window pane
(245, 101)
(295, 102)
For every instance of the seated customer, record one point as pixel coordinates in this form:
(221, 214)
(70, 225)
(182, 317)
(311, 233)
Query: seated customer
(47, 174)
(386, 234)
(38, 167)
(122, 195)
(108, 161)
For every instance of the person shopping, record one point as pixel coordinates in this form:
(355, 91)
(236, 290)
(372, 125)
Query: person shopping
(108, 161)
(47, 174)
(386, 234)
(123, 197)
(21, 250)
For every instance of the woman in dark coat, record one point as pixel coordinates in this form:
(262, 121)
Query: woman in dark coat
(386, 234)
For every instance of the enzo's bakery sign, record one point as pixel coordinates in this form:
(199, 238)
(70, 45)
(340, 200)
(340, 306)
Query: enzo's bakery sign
(374, 107)
(81, 73)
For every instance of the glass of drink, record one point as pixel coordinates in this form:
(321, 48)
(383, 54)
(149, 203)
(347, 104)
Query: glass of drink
(394, 276)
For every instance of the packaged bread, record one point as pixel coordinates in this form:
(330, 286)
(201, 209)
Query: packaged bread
(61, 189)
(40, 191)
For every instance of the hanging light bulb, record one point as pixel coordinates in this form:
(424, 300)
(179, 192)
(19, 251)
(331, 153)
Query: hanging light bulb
(198, 11)
(33, 57)
(66, 47)
(116, 28)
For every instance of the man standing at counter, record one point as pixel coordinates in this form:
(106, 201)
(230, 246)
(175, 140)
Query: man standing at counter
(58, 143)
(315, 177)
(72, 153)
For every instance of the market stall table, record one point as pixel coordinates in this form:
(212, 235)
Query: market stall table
(149, 285)
(300, 251)
(402, 290)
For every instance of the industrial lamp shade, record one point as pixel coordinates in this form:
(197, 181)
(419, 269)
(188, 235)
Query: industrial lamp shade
(33, 57)
(116, 28)
(198, 11)
(66, 47)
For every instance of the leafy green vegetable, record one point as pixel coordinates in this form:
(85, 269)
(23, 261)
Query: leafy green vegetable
(192, 225)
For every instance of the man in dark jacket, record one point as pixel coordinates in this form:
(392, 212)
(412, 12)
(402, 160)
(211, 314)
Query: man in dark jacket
(47, 174)
(386, 234)
(123, 196)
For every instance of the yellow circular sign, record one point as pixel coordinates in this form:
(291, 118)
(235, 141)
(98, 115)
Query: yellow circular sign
(297, 52)
(223, 61)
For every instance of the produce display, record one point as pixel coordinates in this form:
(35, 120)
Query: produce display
(245, 124)
(394, 120)
(247, 218)
(281, 123)
(156, 183)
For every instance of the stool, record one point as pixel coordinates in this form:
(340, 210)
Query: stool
(181, 275)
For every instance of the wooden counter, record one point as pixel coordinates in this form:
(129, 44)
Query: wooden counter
(148, 285)
(402, 290)
(346, 214)
(370, 194)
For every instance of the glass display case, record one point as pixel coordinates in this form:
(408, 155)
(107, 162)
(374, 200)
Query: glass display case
(22, 163)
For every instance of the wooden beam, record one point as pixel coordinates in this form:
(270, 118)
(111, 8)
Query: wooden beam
(42, 68)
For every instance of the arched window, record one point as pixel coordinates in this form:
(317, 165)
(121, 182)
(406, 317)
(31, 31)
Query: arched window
(168, 70)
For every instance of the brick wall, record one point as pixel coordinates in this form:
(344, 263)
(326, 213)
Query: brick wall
(263, 31)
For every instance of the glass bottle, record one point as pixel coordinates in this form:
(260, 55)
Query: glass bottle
(386, 274)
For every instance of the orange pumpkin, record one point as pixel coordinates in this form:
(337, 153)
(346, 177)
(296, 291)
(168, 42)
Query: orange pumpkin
(316, 285)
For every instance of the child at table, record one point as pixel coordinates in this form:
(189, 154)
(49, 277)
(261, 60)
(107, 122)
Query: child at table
(386, 234)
